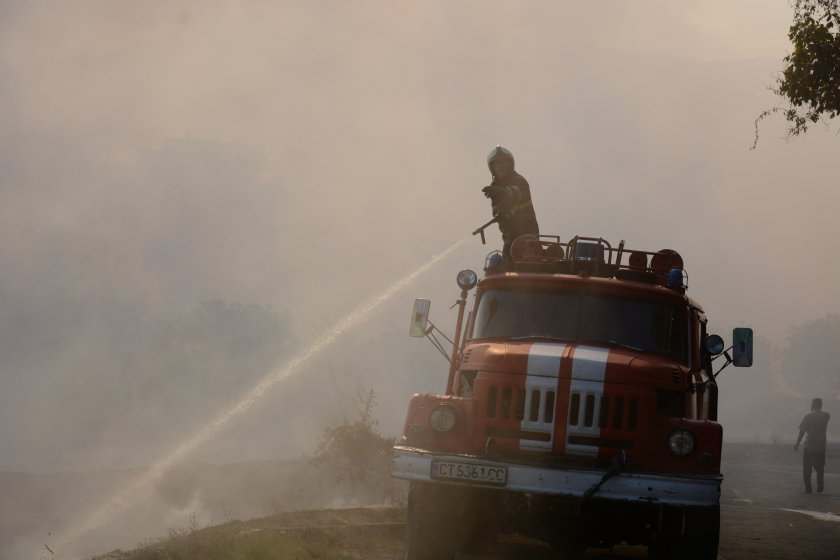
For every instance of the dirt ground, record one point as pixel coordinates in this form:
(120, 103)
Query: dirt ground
(765, 511)
(765, 514)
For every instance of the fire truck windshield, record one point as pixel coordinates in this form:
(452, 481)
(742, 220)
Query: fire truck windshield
(646, 326)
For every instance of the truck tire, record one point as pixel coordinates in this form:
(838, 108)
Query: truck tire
(568, 545)
(438, 524)
(702, 546)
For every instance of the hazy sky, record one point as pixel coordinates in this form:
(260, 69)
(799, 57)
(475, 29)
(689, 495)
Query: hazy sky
(306, 155)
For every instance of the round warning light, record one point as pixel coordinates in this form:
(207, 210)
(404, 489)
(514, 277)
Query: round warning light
(467, 279)
(638, 260)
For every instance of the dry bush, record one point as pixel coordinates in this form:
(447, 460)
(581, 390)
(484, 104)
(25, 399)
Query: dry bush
(357, 459)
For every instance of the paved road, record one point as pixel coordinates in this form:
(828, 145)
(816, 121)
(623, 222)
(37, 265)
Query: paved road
(765, 513)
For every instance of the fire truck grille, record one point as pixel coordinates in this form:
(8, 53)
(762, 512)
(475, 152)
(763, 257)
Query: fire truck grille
(518, 434)
(616, 412)
(601, 442)
(676, 376)
(534, 406)
(523, 414)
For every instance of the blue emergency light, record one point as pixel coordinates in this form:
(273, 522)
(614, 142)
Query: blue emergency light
(493, 262)
(676, 278)
(589, 251)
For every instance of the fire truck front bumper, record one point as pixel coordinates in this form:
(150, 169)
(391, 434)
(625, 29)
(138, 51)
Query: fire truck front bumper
(641, 487)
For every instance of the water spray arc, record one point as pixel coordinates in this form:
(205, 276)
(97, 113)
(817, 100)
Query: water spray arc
(122, 500)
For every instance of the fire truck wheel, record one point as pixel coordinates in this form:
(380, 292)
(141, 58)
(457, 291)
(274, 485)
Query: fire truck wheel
(568, 546)
(702, 546)
(438, 524)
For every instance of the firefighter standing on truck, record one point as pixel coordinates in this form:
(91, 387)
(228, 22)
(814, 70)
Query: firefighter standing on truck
(510, 196)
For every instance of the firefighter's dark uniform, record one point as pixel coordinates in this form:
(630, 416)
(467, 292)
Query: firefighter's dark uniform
(511, 203)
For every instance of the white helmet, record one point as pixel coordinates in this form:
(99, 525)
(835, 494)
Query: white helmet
(498, 153)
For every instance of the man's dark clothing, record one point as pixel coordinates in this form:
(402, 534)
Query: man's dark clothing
(814, 425)
(815, 461)
(512, 205)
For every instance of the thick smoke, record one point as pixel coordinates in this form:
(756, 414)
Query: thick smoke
(191, 192)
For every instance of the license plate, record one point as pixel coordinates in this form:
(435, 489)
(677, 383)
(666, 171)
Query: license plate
(479, 474)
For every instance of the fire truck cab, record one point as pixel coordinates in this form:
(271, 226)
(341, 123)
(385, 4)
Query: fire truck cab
(580, 408)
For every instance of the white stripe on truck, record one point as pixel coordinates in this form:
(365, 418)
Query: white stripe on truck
(543, 371)
(588, 367)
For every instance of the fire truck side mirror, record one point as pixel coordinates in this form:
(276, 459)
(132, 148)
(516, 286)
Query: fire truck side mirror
(419, 318)
(742, 347)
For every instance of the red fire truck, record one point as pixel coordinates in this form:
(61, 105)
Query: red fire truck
(580, 408)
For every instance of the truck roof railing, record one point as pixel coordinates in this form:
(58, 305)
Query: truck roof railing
(595, 256)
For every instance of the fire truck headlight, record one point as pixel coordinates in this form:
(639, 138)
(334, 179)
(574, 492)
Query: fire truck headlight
(442, 418)
(681, 443)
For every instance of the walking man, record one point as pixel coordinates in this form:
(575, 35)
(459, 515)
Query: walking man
(813, 456)
(510, 196)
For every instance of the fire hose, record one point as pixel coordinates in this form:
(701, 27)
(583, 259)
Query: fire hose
(480, 231)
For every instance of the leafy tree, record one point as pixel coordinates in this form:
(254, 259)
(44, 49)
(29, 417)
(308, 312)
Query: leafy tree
(810, 82)
(232, 329)
(227, 335)
(810, 364)
(203, 358)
